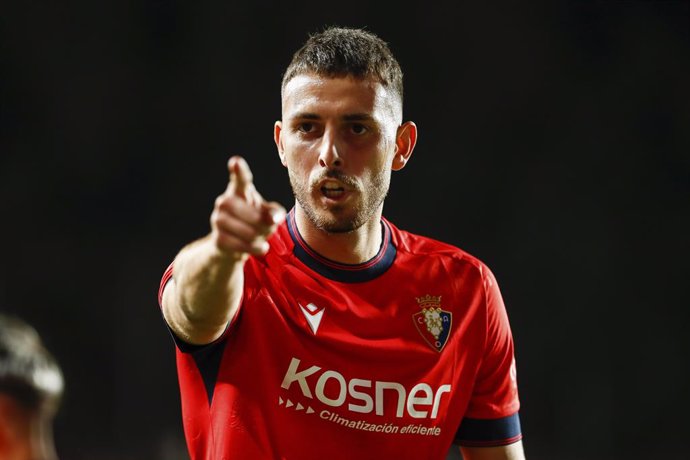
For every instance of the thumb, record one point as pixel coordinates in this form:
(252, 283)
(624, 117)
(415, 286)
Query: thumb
(272, 213)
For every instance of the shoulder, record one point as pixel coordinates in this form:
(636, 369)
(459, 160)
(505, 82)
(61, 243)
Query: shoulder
(415, 245)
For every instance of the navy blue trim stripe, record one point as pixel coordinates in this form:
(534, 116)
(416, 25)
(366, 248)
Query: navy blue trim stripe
(489, 432)
(346, 273)
(207, 359)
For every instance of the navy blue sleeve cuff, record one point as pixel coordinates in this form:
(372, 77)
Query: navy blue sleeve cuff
(489, 432)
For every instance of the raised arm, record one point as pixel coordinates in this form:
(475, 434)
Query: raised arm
(206, 288)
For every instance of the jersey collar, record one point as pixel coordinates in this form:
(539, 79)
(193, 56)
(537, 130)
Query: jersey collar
(346, 273)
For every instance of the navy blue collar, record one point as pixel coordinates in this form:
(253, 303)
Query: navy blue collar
(346, 273)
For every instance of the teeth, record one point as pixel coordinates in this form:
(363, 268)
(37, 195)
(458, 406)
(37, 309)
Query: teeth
(332, 192)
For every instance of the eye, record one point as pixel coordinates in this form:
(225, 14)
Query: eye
(358, 128)
(305, 127)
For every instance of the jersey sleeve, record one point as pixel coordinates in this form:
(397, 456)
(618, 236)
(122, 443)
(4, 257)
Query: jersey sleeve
(492, 417)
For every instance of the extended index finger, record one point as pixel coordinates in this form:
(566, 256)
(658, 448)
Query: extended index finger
(241, 177)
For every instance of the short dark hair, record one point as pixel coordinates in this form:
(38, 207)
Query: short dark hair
(343, 51)
(29, 373)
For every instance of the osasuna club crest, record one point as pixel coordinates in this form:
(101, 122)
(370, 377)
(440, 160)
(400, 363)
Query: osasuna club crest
(433, 323)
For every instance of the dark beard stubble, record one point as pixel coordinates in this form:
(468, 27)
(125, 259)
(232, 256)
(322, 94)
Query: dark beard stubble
(340, 223)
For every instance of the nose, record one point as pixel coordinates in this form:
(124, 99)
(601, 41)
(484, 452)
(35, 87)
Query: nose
(329, 156)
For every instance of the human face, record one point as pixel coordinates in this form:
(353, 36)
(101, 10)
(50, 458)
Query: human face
(338, 142)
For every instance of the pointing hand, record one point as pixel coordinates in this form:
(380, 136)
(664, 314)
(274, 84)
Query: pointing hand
(242, 220)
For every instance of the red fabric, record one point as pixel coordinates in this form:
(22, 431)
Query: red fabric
(371, 375)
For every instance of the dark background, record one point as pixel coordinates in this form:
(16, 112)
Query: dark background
(553, 145)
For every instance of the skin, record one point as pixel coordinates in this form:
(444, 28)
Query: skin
(341, 134)
(340, 139)
(513, 451)
(24, 435)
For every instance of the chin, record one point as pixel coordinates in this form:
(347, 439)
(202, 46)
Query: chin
(336, 219)
(336, 224)
(333, 218)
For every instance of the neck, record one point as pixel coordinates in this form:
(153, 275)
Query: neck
(354, 247)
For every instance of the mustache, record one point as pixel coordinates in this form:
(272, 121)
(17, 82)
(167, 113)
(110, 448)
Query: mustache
(339, 176)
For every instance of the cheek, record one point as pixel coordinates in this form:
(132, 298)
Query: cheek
(299, 166)
(378, 163)
(297, 150)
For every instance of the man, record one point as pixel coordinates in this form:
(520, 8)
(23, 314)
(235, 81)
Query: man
(327, 332)
(31, 386)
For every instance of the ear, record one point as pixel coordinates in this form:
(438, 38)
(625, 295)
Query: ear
(406, 139)
(277, 131)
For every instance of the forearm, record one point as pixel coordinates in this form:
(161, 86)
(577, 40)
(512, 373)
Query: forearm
(206, 292)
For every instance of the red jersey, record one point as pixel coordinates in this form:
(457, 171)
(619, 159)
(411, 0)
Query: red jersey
(398, 357)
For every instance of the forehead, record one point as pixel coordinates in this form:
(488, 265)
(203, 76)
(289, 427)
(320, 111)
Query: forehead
(339, 96)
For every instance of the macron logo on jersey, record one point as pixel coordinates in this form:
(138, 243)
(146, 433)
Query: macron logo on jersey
(313, 315)
(362, 395)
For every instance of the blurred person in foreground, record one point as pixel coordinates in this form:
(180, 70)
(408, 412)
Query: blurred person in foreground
(326, 332)
(31, 386)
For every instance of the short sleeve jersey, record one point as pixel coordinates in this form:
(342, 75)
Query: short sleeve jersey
(399, 357)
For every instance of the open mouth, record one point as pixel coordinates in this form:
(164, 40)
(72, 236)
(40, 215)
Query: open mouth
(332, 192)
